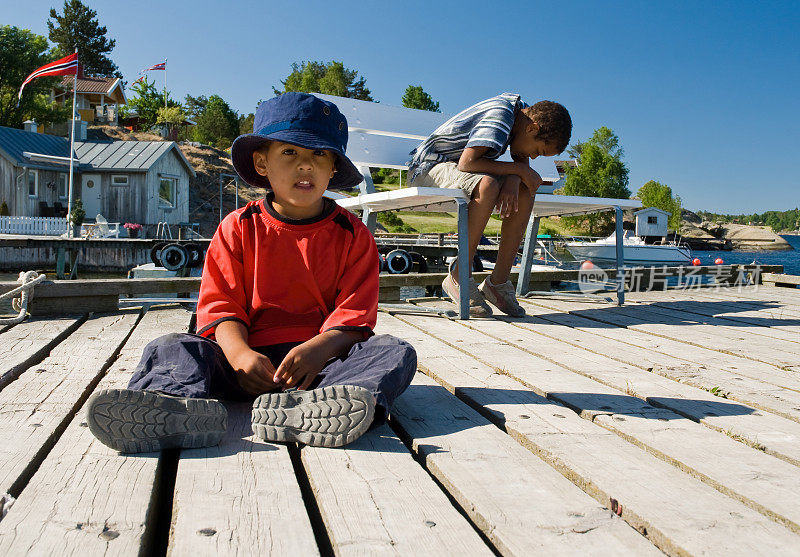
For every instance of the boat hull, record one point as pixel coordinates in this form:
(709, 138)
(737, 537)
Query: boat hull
(634, 255)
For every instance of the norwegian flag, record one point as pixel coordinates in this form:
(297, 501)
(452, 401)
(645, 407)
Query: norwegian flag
(65, 66)
(161, 66)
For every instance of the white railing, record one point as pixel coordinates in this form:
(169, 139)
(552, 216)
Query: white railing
(34, 226)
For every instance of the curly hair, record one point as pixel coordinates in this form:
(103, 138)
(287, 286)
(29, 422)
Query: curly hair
(555, 124)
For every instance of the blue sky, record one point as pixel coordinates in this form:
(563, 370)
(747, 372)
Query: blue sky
(703, 95)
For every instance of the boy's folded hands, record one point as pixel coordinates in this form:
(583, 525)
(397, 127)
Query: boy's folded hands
(304, 362)
(254, 372)
(300, 366)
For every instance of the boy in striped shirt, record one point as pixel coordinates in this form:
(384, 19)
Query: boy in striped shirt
(463, 152)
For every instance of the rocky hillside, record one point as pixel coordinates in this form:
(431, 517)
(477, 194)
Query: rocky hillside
(705, 235)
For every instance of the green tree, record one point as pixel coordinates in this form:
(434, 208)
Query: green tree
(194, 106)
(600, 173)
(416, 97)
(218, 124)
(146, 103)
(246, 123)
(655, 194)
(172, 117)
(331, 79)
(21, 52)
(79, 28)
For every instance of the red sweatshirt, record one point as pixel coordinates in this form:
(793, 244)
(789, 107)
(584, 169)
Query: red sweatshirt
(289, 280)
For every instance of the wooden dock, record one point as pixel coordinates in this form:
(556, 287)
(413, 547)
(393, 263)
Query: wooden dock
(670, 424)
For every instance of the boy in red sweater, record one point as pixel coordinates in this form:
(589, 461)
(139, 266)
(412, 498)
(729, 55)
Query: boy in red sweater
(288, 300)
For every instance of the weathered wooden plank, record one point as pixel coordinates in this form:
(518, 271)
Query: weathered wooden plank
(788, 297)
(759, 296)
(762, 482)
(760, 388)
(105, 287)
(376, 500)
(36, 407)
(730, 310)
(764, 385)
(783, 336)
(654, 348)
(781, 278)
(85, 498)
(727, 301)
(772, 433)
(680, 514)
(240, 496)
(521, 504)
(740, 342)
(29, 342)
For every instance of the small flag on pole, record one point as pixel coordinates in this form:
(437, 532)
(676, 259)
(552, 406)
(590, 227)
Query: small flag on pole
(64, 66)
(161, 66)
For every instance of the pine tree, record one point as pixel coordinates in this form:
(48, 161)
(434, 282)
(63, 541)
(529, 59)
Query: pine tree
(331, 79)
(218, 124)
(79, 28)
(416, 97)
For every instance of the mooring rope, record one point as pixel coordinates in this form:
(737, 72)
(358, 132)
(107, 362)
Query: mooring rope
(29, 279)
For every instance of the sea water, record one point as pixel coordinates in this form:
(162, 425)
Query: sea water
(790, 259)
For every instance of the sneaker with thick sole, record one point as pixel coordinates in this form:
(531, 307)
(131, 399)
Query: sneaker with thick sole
(477, 304)
(503, 297)
(145, 421)
(326, 417)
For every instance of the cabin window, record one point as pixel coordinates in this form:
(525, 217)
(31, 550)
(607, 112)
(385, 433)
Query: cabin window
(33, 183)
(167, 191)
(652, 220)
(119, 180)
(62, 180)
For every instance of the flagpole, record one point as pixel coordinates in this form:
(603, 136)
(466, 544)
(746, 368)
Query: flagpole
(165, 83)
(70, 228)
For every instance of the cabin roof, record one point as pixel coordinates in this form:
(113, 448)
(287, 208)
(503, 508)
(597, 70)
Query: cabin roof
(128, 156)
(651, 210)
(109, 86)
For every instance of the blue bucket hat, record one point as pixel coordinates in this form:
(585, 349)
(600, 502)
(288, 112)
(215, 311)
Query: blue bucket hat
(303, 120)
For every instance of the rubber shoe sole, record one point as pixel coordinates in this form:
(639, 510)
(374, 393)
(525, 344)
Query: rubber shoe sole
(326, 417)
(143, 421)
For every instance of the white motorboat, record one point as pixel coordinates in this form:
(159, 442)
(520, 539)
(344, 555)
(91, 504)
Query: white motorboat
(635, 251)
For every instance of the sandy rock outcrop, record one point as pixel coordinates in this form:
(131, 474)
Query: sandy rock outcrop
(701, 234)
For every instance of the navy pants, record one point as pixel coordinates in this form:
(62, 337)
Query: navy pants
(187, 365)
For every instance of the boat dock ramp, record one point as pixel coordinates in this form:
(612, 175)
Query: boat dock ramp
(670, 424)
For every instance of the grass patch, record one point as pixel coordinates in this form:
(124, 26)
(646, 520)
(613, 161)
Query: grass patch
(431, 222)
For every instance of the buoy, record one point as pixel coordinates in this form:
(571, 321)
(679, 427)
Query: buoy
(695, 262)
(586, 265)
(718, 261)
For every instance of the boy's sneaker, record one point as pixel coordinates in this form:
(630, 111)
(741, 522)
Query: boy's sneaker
(145, 421)
(503, 297)
(477, 304)
(325, 417)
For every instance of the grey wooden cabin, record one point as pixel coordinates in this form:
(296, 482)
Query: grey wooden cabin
(146, 182)
(652, 222)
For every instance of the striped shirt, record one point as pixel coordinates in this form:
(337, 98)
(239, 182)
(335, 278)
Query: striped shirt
(486, 124)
